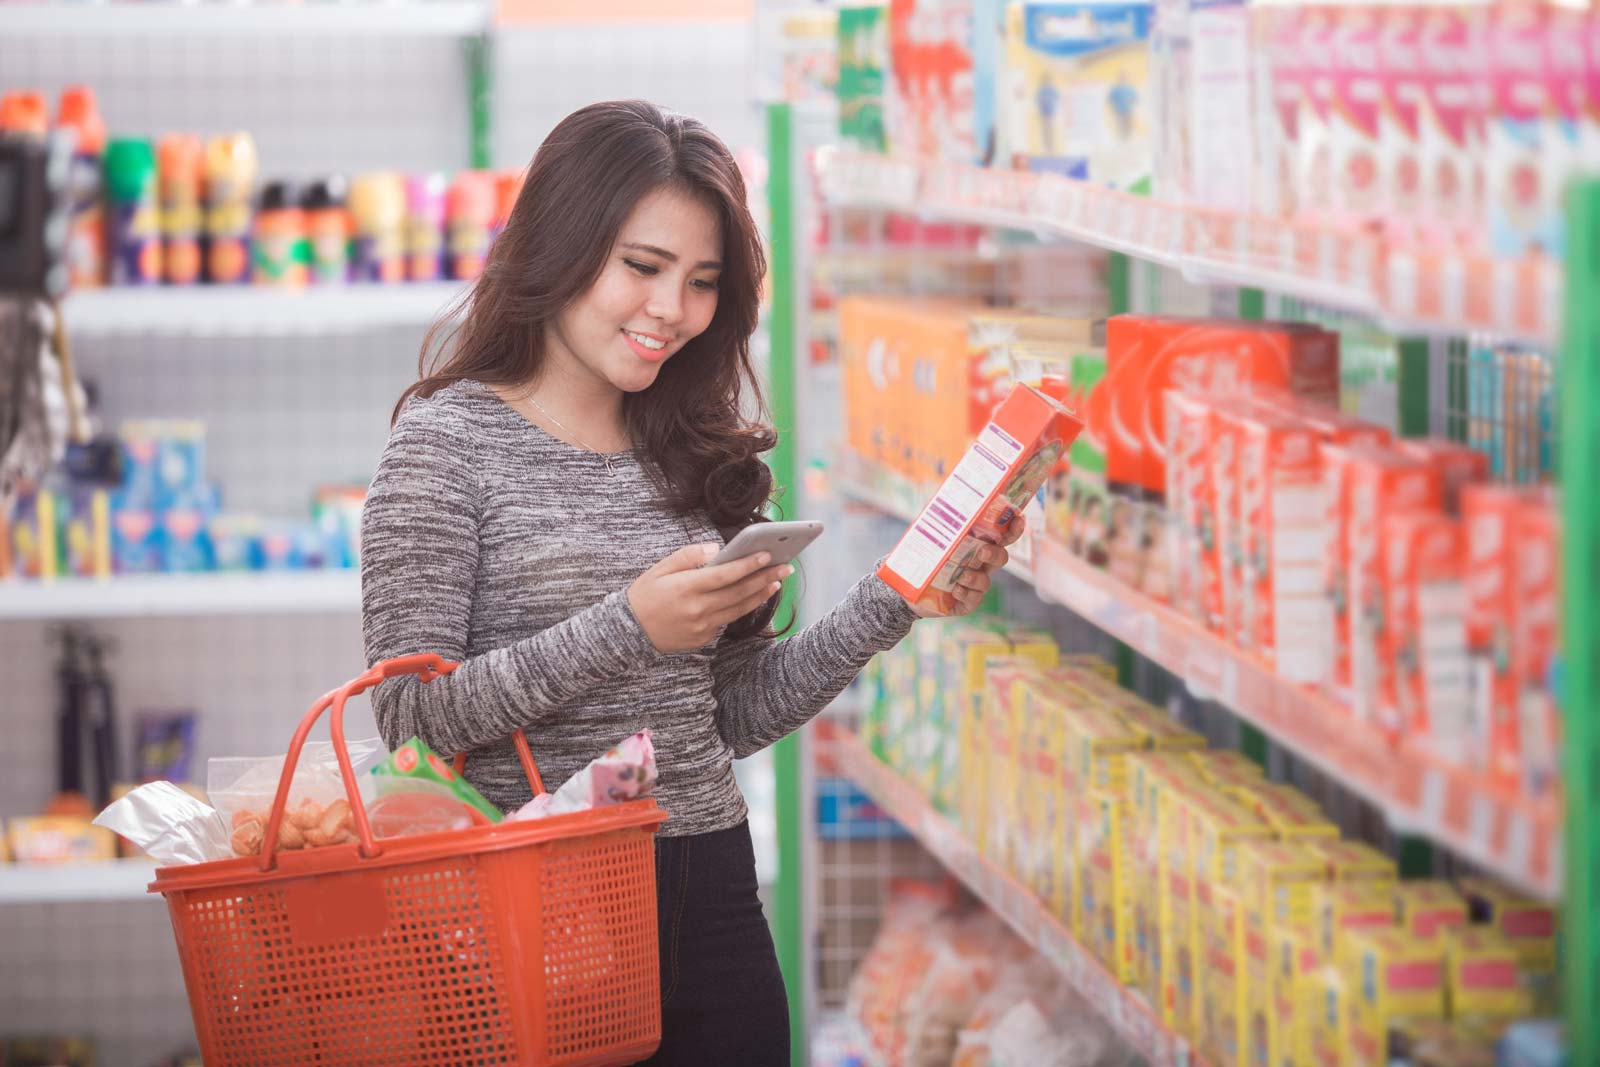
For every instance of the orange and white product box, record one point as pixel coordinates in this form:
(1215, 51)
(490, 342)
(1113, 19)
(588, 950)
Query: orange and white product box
(1356, 72)
(1459, 465)
(1226, 359)
(1188, 497)
(1223, 560)
(1281, 504)
(997, 477)
(1535, 552)
(1426, 693)
(1112, 407)
(1331, 425)
(1382, 483)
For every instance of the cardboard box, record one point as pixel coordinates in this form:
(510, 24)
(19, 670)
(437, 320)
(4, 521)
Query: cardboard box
(46, 839)
(1276, 891)
(1076, 101)
(1223, 1036)
(1289, 1006)
(1282, 524)
(863, 62)
(1190, 498)
(1353, 861)
(1426, 908)
(1222, 561)
(1156, 777)
(1343, 907)
(1292, 815)
(958, 671)
(1482, 976)
(1382, 483)
(1355, 161)
(1489, 512)
(1001, 471)
(1107, 914)
(1324, 1015)
(979, 802)
(1389, 977)
(1528, 924)
(1450, 133)
(1459, 465)
(929, 103)
(1426, 681)
(1535, 605)
(1224, 767)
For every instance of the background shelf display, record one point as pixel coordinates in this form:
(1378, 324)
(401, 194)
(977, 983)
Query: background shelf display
(255, 311)
(1127, 1014)
(439, 18)
(279, 593)
(1517, 840)
(76, 882)
(1351, 270)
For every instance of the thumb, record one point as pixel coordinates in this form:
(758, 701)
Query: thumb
(687, 559)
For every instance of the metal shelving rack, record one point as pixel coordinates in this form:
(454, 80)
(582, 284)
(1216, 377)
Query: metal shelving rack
(1554, 854)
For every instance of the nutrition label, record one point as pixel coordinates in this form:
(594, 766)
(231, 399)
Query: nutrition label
(954, 506)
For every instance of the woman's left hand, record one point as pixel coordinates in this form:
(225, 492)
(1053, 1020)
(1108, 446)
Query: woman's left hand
(974, 584)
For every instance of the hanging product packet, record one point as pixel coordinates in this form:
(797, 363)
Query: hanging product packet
(169, 825)
(625, 773)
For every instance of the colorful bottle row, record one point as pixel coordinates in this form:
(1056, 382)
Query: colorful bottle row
(182, 211)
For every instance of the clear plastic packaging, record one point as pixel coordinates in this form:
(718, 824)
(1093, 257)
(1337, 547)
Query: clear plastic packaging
(171, 826)
(627, 772)
(316, 813)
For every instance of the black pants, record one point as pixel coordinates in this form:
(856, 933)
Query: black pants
(722, 995)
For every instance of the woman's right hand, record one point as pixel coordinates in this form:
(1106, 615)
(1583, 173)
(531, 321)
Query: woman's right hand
(681, 603)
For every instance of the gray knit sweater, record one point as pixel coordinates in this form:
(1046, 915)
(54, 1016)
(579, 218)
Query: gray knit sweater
(491, 542)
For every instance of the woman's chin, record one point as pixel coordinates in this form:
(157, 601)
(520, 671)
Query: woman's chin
(638, 378)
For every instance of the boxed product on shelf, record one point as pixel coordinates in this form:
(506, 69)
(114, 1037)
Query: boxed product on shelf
(1353, 861)
(1157, 778)
(1356, 163)
(1276, 101)
(1276, 894)
(1482, 979)
(1314, 177)
(58, 839)
(1221, 127)
(1344, 907)
(1001, 471)
(1534, 608)
(1399, 120)
(1522, 192)
(863, 62)
(1528, 925)
(1077, 98)
(1223, 1034)
(1425, 692)
(1450, 133)
(1459, 465)
(1290, 1004)
(1390, 976)
(1102, 866)
(1425, 908)
(929, 104)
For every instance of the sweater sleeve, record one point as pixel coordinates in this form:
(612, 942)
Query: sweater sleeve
(766, 689)
(419, 568)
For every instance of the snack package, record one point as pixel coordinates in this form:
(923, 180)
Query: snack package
(625, 773)
(316, 811)
(1000, 473)
(58, 839)
(169, 825)
(414, 763)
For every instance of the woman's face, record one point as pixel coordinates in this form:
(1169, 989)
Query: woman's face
(656, 292)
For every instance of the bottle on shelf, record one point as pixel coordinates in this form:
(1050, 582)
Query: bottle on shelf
(181, 184)
(327, 231)
(135, 234)
(378, 214)
(471, 205)
(425, 227)
(23, 112)
(278, 238)
(230, 173)
(86, 236)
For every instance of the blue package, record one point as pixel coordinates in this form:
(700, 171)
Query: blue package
(1533, 1043)
(186, 541)
(278, 547)
(235, 542)
(310, 547)
(844, 812)
(165, 460)
(136, 537)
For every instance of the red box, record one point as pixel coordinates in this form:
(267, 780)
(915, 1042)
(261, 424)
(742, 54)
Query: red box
(1223, 555)
(1383, 482)
(1190, 499)
(994, 481)
(1282, 524)
(1459, 465)
(1426, 693)
(1332, 426)
(1535, 601)
(1489, 513)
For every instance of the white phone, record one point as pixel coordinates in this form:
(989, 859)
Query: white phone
(783, 540)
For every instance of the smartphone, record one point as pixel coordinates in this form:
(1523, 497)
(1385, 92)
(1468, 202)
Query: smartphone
(783, 540)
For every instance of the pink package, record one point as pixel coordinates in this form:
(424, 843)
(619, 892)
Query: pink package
(1357, 99)
(1316, 173)
(1280, 87)
(1450, 124)
(626, 773)
(1399, 136)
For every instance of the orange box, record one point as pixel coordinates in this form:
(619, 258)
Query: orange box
(1222, 558)
(875, 361)
(1226, 358)
(1535, 600)
(1382, 482)
(1189, 497)
(1459, 465)
(1001, 471)
(1338, 462)
(1425, 690)
(1425, 908)
(1112, 408)
(1281, 504)
(1331, 425)
(1489, 512)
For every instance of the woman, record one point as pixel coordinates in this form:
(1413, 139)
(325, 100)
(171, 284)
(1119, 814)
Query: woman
(542, 512)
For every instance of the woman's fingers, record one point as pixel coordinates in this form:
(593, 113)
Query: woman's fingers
(978, 581)
(1014, 530)
(756, 585)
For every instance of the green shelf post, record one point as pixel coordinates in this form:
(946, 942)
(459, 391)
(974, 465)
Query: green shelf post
(1411, 418)
(1579, 372)
(479, 87)
(1252, 740)
(1252, 305)
(788, 926)
(1119, 289)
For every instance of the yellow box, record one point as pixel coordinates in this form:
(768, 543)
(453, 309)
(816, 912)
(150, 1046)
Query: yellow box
(1098, 746)
(58, 839)
(1103, 867)
(1158, 730)
(1154, 775)
(1483, 979)
(1427, 908)
(1324, 1013)
(962, 661)
(1292, 814)
(1040, 724)
(1224, 767)
(1223, 1039)
(1342, 908)
(1216, 827)
(1354, 861)
(1530, 925)
(1088, 661)
(983, 789)
(1277, 880)
(1390, 977)
(1280, 1024)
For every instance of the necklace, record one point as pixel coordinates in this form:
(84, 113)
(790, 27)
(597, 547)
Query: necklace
(580, 442)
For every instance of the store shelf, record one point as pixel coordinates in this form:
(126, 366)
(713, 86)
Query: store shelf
(161, 18)
(1353, 270)
(255, 311)
(1517, 840)
(183, 594)
(1122, 1008)
(76, 882)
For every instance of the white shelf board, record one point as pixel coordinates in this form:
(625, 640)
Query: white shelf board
(68, 883)
(274, 593)
(54, 18)
(254, 310)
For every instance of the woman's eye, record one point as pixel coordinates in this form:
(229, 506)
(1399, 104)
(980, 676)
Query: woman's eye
(641, 268)
(704, 285)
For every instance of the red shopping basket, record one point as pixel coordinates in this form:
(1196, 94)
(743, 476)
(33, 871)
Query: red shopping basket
(527, 943)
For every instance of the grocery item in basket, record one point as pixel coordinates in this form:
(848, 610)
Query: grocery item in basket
(250, 783)
(168, 824)
(414, 767)
(625, 773)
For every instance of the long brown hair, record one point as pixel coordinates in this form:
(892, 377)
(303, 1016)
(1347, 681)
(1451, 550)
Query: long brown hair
(701, 426)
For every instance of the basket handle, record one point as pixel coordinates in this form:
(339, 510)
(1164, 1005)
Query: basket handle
(524, 756)
(426, 666)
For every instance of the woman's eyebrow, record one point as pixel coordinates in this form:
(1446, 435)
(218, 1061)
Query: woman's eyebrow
(671, 257)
